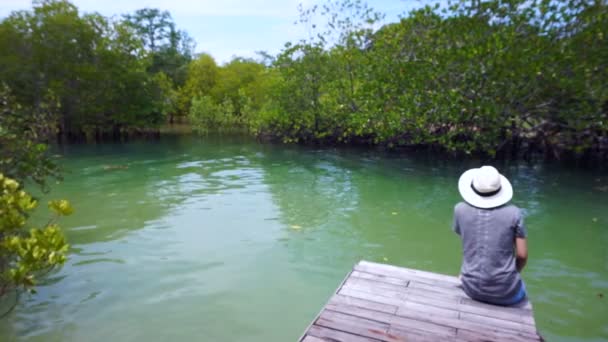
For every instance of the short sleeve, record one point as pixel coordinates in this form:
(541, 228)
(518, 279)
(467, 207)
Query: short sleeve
(520, 227)
(455, 224)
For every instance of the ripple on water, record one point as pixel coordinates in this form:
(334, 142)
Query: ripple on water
(98, 260)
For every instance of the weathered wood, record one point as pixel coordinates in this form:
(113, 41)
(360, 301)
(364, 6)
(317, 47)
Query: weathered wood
(396, 291)
(417, 308)
(492, 335)
(396, 334)
(435, 287)
(393, 320)
(470, 306)
(416, 324)
(380, 278)
(497, 322)
(465, 304)
(310, 338)
(373, 297)
(352, 280)
(401, 295)
(457, 323)
(519, 309)
(403, 273)
(353, 324)
(379, 302)
(327, 334)
(362, 303)
(396, 294)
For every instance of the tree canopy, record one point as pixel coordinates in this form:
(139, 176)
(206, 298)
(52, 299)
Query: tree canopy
(101, 72)
(492, 77)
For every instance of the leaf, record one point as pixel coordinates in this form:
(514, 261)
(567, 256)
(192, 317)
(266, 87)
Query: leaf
(61, 207)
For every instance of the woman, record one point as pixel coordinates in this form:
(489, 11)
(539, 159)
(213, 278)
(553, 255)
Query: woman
(493, 238)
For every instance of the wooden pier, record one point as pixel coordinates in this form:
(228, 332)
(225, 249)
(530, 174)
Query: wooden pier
(378, 302)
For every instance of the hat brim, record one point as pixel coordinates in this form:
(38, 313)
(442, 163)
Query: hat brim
(485, 202)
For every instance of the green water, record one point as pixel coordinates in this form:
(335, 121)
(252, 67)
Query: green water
(195, 240)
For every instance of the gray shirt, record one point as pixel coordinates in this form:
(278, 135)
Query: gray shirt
(488, 236)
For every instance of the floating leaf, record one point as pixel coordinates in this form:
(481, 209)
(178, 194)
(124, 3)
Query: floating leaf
(295, 226)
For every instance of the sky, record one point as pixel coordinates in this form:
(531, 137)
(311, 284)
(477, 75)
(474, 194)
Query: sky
(227, 28)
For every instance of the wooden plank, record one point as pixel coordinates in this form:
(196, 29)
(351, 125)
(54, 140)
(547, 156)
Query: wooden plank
(381, 317)
(417, 309)
(436, 282)
(520, 308)
(497, 322)
(489, 335)
(506, 329)
(402, 272)
(397, 334)
(380, 278)
(446, 288)
(436, 316)
(440, 303)
(405, 303)
(377, 285)
(362, 303)
(504, 312)
(327, 334)
(313, 339)
(452, 298)
(370, 296)
(426, 327)
(395, 291)
(414, 324)
(433, 304)
(432, 285)
(352, 324)
(398, 295)
(507, 313)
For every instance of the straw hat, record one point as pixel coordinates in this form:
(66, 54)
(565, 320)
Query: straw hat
(485, 188)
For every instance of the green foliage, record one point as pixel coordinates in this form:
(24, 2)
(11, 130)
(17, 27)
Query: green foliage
(167, 95)
(23, 135)
(170, 49)
(206, 115)
(202, 77)
(103, 74)
(494, 77)
(26, 253)
(471, 77)
(227, 97)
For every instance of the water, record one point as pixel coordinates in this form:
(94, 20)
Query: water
(230, 240)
